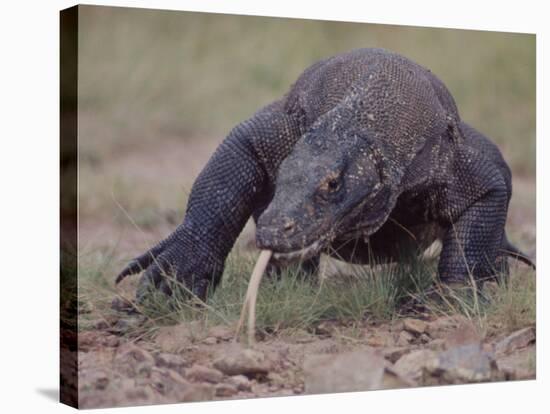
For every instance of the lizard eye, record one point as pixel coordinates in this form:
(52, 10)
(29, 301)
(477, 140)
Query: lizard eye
(330, 186)
(333, 185)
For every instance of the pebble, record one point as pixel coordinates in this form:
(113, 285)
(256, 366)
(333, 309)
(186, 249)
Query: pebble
(200, 373)
(414, 326)
(350, 371)
(225, 390)
(172, 361)
(238, 360)
(210, 341)
(404, 338)
(463, 364)
(412, 364)
(519, 339)
(392, 354)
(241, 382)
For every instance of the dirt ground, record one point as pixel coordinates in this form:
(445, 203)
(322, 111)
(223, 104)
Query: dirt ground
(119, 365)
(186, 363)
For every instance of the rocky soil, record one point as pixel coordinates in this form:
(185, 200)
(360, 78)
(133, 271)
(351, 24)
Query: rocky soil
(191, 362)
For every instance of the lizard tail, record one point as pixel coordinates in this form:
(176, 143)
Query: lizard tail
(512, 251)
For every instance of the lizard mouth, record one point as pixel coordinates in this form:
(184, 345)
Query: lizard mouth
(300, 254)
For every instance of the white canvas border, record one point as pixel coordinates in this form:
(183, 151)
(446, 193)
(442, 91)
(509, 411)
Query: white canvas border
(30, 189)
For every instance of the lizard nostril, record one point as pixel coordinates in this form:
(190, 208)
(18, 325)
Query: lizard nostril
(289, 226)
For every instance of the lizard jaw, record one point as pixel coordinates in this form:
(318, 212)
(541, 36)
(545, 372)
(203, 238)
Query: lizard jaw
(301, 254)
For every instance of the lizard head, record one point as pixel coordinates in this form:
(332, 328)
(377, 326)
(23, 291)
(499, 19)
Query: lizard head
(330, 186)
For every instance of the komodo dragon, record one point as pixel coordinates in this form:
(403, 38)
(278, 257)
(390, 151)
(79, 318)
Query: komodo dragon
(365, 157)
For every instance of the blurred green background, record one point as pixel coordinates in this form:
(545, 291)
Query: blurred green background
(195, 74)
(158, 90)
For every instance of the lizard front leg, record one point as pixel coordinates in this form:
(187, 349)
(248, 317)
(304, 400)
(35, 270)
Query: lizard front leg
(472, 244)
(231, 186)
(477, 204)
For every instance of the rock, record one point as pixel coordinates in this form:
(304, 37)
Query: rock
(517, 340)
(405, 338)
(237, 360)
(326, 328)
(393, 353)
(351, 371)
(241, 382)
(463, 364)
(133, 360)
(171, 361)
(424, 339)
(221, 332)
(414, 326)
(225, 390)
(200, 373)
(167, 381)
(210, 341)
(439, 327)
(379, 340)
(519, 365)
(413, 364)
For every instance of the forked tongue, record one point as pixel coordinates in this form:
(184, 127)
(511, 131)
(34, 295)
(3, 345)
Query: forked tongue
(252, 294)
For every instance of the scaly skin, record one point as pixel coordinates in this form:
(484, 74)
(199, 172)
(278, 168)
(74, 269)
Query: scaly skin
(375, 160)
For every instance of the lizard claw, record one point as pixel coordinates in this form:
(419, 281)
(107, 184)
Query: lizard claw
(169, 262)
(141, 262)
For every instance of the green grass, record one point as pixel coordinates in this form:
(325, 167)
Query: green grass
(379, 293)
(294, 302)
